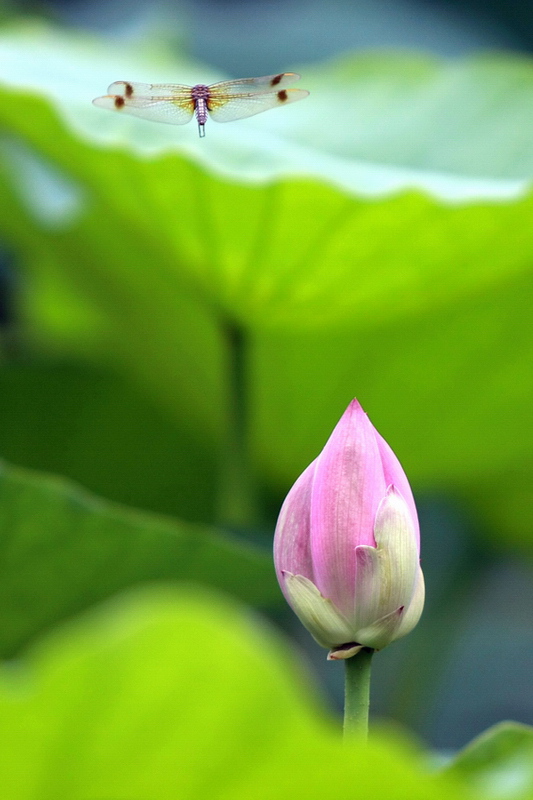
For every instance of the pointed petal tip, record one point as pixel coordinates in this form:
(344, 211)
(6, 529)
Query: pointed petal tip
(344, 651)
(393, 491)
(355, 407)
(395, 505)
(353, 415)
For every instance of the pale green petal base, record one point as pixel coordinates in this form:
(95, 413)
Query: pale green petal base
(381, 632)
(413, 612)
(344, 652)
(396, 624)
(388, 595)
(387, 573)
(321, 618)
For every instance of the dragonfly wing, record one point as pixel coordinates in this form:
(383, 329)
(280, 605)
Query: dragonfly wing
(130, 89)
(172, 110)
(240, 106)
(267, 83)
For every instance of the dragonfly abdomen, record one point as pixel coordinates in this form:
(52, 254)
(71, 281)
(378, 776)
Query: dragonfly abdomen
(200, 95)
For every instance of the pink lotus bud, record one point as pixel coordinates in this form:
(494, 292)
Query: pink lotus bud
(347, 543)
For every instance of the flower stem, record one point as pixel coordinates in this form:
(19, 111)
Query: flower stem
(357, 695)
(237, 503)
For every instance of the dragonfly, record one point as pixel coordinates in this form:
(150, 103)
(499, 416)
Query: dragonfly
(176, 103)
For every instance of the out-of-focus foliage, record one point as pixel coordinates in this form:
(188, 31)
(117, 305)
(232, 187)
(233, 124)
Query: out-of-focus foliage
(374, 240)
(392, 266)
(98, 428)
(174, 694)
(64, 549)
(499, 762)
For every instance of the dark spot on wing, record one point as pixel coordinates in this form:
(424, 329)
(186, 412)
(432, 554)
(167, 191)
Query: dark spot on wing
(119, 101)
(282, 95)
(276, 79)
(128, 90)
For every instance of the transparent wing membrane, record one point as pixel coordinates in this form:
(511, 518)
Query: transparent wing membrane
(175, 103)
(150, 90)
(268, 83)
(232, 108)
(157, 109)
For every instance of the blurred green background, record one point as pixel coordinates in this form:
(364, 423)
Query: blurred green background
(184, 321)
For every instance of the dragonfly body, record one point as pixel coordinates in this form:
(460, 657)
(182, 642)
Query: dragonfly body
(224, 102)
(200, 96)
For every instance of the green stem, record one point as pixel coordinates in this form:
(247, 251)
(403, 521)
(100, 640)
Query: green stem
(237, 491)
(357, 694)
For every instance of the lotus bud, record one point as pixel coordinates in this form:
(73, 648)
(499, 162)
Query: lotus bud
(347, 543)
